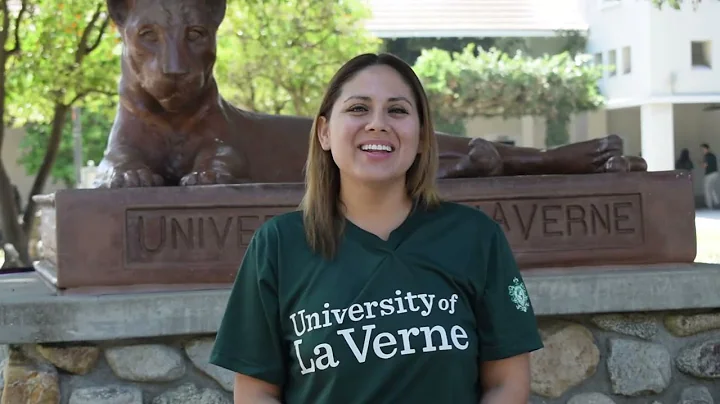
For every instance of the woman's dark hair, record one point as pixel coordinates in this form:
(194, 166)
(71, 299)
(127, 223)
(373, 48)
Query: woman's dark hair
(683, 162)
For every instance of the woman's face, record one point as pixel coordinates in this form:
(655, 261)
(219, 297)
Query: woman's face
(374, 128)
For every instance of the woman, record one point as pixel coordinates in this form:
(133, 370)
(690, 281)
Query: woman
(683, 162)
(375, 291)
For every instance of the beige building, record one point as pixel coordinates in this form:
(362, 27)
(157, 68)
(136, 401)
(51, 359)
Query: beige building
(661, 96)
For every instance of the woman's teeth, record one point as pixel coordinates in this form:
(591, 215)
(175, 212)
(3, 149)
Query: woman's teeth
(376, 147)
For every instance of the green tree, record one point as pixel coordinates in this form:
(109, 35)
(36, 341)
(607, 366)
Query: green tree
(676, 4)
(277, 57)
(12, 21)
(68, 57)
(95, 129)
(487, 84)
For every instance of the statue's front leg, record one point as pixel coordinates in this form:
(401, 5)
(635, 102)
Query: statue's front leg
(217, 163)
(599, 155)
(480, 159)
(588, 157)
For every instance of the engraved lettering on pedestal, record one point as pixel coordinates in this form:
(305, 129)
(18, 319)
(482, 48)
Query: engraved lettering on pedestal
(621, 214)
(191, 235)
(550, 220)
(143, 235)
(246, 228)
(568, 223)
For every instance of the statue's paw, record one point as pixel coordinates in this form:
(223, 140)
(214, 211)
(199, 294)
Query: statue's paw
(207, 177)
(623, 164)
(133, 178)
(637, 163)
(485, 157)
(603, 154)
(610, 144)
(482, 160)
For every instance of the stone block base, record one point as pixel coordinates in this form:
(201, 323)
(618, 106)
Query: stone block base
(195, 237)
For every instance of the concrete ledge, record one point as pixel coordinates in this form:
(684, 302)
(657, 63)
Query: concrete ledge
(31, 312)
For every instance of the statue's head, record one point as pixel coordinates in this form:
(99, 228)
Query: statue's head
(169, 45)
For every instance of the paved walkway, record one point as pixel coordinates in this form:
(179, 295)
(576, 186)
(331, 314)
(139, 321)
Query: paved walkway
(707, 223)
(708, 217)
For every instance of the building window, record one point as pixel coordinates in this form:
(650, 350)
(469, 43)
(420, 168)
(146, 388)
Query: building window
(701, 54)
(598, 59)
(626, 60)
(612, 61)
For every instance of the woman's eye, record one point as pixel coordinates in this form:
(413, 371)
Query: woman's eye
(398, 111)
(357, 108)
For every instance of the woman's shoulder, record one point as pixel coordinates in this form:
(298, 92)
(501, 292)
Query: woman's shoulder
(283, 223)
(277, 227)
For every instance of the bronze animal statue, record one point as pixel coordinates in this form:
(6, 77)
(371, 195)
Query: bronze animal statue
(174, 128)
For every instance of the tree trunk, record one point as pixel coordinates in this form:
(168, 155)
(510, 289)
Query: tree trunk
(9, 223)
(60, 114)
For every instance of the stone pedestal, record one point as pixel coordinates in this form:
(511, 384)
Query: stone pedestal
(195, 237)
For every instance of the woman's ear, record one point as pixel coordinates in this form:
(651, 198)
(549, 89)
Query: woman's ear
(323, 133)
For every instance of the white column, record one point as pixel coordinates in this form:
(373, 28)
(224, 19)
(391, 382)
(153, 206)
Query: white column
(527, 130)
(657, 136)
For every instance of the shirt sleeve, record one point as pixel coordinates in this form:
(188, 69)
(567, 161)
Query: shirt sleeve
(504, 314)
(249, 339)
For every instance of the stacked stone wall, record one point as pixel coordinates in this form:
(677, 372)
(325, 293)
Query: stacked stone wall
(648, 358)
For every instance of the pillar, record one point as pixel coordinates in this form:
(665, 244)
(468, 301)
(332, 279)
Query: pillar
(657, 136)
(578, 128)
(527, 135)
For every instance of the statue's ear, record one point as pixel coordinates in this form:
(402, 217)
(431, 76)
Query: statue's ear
(119, 10)
(217, 10)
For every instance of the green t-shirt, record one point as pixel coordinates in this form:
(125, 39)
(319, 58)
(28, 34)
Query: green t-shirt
(407, 320)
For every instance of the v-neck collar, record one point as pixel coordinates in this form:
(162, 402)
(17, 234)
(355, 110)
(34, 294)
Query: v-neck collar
(396, 237)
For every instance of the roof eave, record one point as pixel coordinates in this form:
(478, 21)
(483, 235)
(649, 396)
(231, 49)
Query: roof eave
(471, 33)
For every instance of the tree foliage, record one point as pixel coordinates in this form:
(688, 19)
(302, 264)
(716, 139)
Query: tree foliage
(66, 58)
(95, 129)
(69, 56)
(70, 60)
(473, 84)
(277, 56)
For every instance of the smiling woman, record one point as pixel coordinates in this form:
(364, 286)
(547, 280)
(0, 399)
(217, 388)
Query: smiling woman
(376, 291)
(373, 101)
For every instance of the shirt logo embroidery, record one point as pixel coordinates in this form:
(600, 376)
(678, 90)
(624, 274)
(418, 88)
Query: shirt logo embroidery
(518, 295)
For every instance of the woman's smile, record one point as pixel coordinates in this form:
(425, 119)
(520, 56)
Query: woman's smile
(377, 150)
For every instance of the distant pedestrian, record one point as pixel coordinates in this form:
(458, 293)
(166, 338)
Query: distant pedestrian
(711, 181)
(683, 162)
